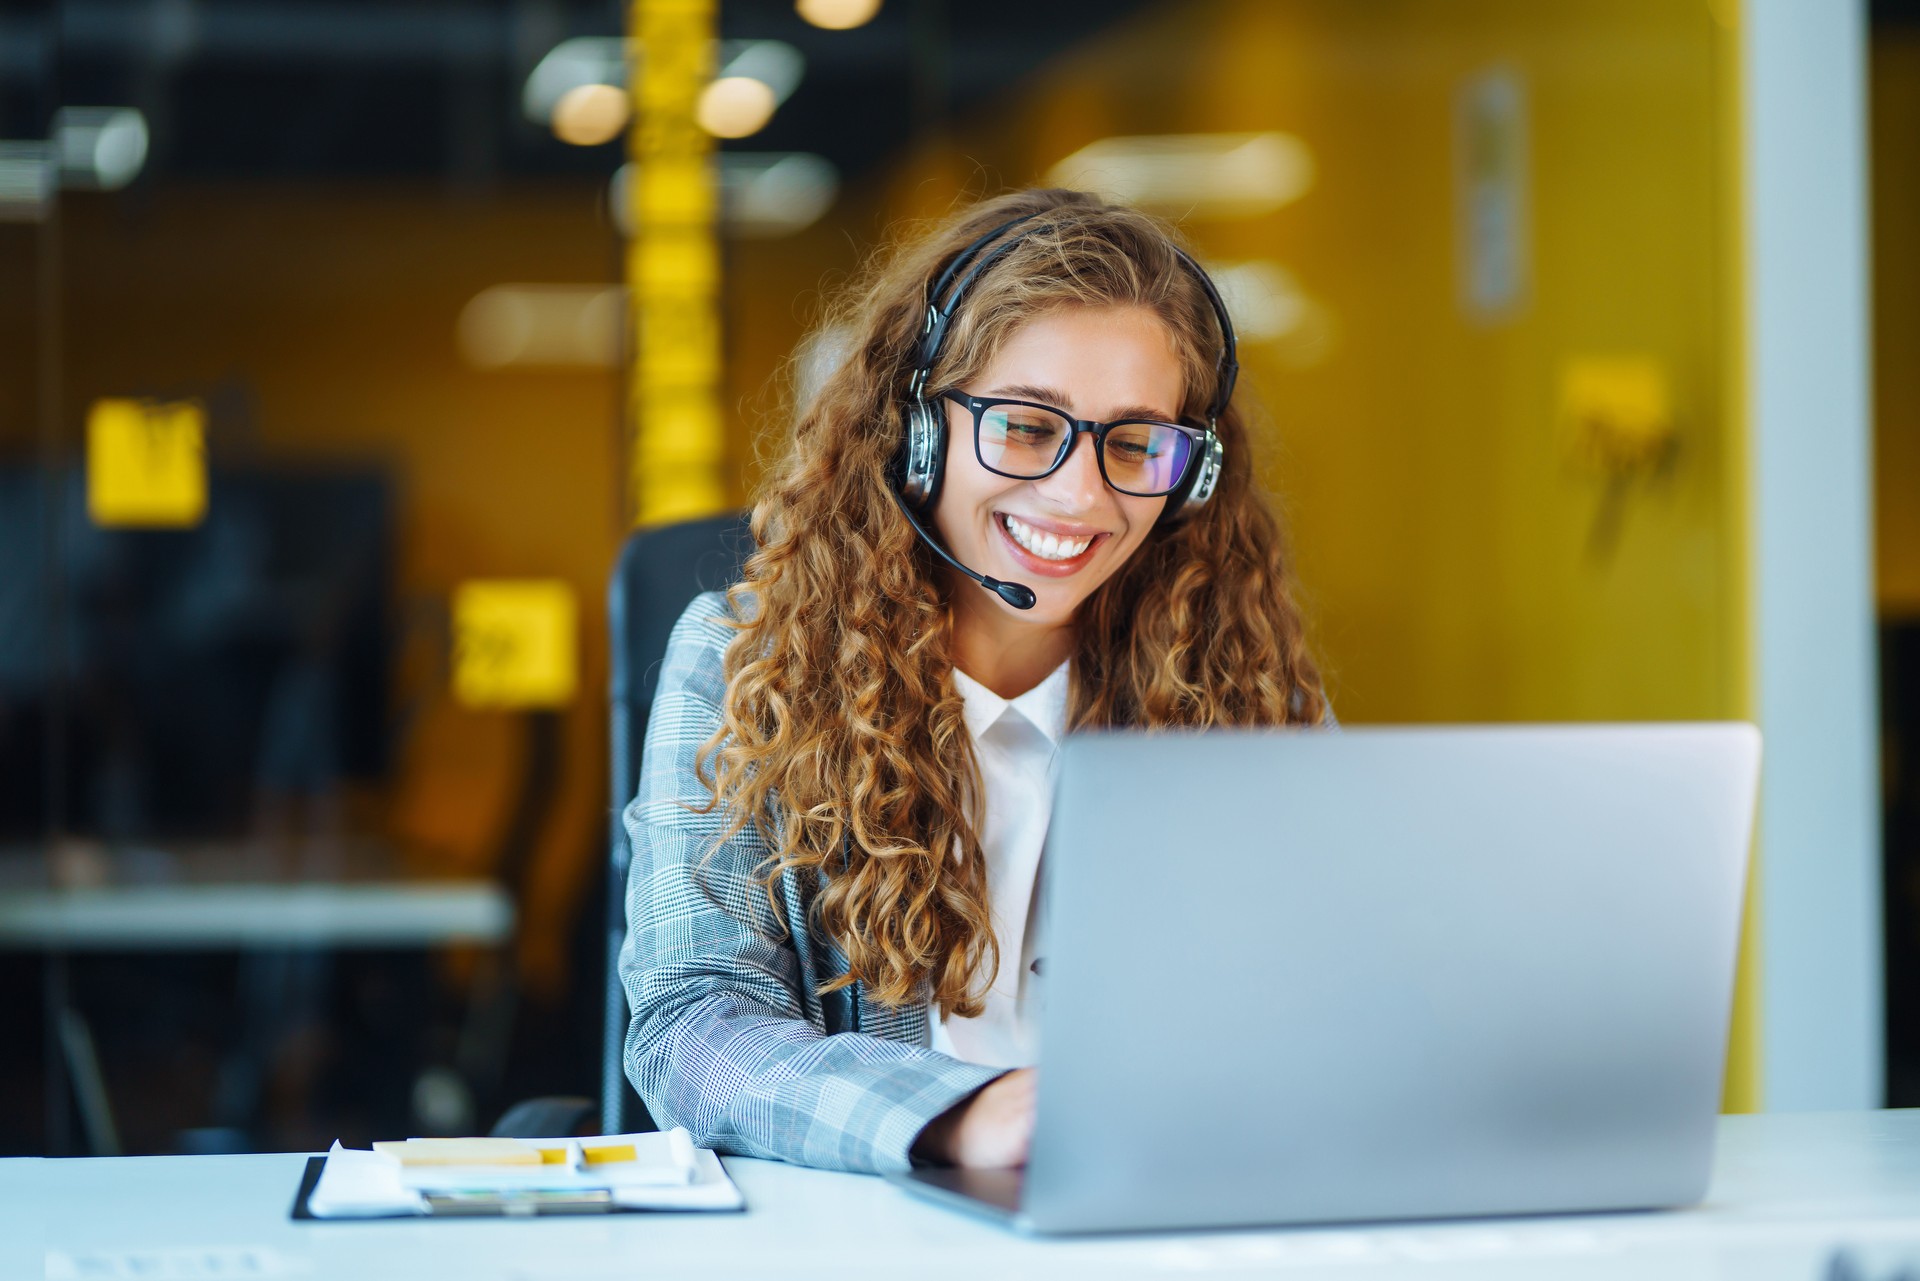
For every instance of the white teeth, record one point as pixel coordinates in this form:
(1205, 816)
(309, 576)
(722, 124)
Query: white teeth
(1045, 546)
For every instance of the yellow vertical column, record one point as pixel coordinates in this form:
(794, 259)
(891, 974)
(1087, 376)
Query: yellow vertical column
(677, 445)
(1742, 1088)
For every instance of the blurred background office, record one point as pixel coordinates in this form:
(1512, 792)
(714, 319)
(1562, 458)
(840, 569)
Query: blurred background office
(342, 342)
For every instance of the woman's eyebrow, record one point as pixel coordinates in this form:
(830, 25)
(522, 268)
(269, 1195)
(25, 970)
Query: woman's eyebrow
(1054, 396)
(1032, 391)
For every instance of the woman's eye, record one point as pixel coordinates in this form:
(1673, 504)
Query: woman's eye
(1131, 447)
(1031, 432)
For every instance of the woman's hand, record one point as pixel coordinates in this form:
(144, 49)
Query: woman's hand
(991, 1130)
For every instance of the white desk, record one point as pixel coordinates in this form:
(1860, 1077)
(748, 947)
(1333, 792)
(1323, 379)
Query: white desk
(398, 914)
(237, 897)
(1787, 1189)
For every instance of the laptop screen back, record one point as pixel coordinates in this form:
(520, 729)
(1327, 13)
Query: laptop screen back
(1302, 976)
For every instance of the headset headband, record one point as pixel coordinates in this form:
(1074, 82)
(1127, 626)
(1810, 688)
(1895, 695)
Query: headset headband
(933, 329)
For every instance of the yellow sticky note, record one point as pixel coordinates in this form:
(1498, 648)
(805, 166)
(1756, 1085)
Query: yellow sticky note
(515, 643)
(146, 463)
(610, 1153)
(459, 1151)
(553, 1156)
(1616, 412)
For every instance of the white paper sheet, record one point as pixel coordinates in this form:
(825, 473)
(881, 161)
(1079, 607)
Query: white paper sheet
(361, 1185)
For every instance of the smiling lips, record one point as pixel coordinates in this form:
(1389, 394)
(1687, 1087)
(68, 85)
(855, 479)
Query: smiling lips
(1044, 545)
(1049, 553)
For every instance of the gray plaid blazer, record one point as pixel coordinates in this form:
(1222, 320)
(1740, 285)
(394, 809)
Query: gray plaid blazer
(729, 1036)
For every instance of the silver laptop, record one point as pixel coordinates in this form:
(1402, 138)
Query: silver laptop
(1298, 977)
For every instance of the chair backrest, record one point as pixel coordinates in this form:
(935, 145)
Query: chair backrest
(661, 570)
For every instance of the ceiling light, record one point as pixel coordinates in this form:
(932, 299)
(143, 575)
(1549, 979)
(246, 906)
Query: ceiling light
(770, 194)
(1206, 175)
(590, 114)
(774, 63)
(551, 326)
(569, 65)
(735, 106)
(1269, 306)
(837, 15)
(755, 77)
(99, 148)
(1263, 298)
(763, 194)
(817, 358)
(572, 88)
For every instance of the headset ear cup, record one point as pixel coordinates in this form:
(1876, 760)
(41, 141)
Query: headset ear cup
(1206, 474)
(922, 454)
(1203, 477)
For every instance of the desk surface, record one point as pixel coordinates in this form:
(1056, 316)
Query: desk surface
(234, 897)
(1787, 1189)
(396, 914)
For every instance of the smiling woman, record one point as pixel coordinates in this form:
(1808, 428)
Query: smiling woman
(1062, 524)
(833, 948)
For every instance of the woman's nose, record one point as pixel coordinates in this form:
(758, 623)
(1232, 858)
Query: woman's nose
(1078, 485)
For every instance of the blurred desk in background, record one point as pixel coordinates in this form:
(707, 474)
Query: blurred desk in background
(403, 914)
(196, 912)
(249, 899)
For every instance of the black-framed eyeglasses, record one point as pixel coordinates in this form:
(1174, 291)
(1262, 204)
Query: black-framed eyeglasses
(1022, 440)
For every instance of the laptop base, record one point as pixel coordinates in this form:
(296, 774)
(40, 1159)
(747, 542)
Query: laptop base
(992, 1194)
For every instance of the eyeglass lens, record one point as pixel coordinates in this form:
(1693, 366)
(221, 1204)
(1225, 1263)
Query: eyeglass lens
(1140, 458)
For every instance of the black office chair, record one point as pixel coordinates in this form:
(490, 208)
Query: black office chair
(660, 572)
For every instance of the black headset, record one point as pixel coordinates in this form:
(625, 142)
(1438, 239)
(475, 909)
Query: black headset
(923, 452)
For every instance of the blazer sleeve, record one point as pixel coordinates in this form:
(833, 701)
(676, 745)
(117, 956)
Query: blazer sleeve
(724, 1038)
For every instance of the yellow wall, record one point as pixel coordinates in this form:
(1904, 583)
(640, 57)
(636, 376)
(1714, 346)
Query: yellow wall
(1444, 536)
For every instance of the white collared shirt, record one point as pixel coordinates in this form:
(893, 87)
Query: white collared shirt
(1016, 741)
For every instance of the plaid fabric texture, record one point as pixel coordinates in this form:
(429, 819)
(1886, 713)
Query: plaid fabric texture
(729, 1036)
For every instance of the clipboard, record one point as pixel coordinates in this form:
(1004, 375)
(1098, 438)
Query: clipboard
(511, 1205)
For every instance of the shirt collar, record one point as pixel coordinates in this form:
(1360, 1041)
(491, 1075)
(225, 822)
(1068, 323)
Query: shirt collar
(1044, 706)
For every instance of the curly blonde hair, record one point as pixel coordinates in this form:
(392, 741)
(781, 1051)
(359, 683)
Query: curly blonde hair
(843, 740)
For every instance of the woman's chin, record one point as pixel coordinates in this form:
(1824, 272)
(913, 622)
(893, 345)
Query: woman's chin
(1054, 603)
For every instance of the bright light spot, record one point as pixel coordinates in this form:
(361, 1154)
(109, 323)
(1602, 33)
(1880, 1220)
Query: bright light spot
(576, 326)
(1270, 307)
(777, 194)
(121, 149)
(735, 106)
(1205, 175)
(818, 358)
(1263, 297)
(837, 15)
(588, 115)
(774, 63)
(100, 148)
(582, 60)
(763, 194)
